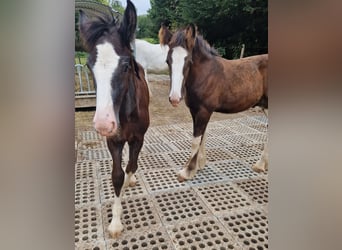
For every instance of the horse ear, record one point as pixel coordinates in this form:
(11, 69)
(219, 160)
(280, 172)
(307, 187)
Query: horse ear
(164, 35)
(190, 35)
(129, 23)
(84, 25)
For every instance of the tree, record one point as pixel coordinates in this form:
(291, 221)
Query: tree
(145, 27)
(164, 11)
(226, 24)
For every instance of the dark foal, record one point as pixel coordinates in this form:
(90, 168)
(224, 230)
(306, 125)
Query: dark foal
(122, 96)
(211, 84)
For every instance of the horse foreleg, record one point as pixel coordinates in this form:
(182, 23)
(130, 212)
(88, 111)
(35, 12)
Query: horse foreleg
(197, 158)
(115, 227)
(132, 166)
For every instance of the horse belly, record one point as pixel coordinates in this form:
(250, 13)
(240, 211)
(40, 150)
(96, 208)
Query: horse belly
(240, 98)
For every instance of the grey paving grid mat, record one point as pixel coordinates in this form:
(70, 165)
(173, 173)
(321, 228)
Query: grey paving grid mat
(223, 207)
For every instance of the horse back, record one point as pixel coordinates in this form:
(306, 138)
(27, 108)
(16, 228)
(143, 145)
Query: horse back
(230, 86)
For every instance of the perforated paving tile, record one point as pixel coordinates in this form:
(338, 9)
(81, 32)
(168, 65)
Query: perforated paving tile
(162, 213)
(260, 128)
(209, 174)
(148, 239)
(179, 158)
(256, 188)
(218, 132)
(148, 162)
(229, 123)
(107, 189)
(181, 205)
(92, 145)
(176, 136)
(152, 138)
(214, 142)
(104, 167)
(88, 225)
(257, 137)
(89, 135)
(94, 245)
(205, 233)
(234, 170)
(137, 214)
(161, 180)
(218, 154)
(86, 192)
(248, 121)
(223, 198)
(236, 140)
(85, 170)
(250, 161)
(157, 148)
(242, 129)
(250, 227)
(182, 145)
(261, 118)
(240, 151)
(93, 154)
(169, 129)
(258, 146)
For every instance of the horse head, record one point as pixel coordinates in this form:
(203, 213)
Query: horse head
(112, 64)
(179, 58)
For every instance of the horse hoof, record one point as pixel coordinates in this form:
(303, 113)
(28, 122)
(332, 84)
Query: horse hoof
(258, 169)
(132, 181)
(116, 231)
(180, 178)
(115, 235)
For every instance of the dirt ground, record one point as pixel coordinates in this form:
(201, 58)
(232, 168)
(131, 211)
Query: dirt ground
(161, 111)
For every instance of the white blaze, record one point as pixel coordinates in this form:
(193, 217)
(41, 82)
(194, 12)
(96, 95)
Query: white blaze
(106, 63)
(177, 66)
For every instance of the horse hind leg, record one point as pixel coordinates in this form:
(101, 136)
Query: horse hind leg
(130, 180)
(132, 166)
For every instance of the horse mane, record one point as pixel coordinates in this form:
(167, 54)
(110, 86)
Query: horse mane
(95, 28)
(201, 45)
(204, 47)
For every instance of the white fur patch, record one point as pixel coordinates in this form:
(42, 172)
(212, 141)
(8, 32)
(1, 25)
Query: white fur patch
(106, 63)
(196, 141)
(178, 56)
(115, 226)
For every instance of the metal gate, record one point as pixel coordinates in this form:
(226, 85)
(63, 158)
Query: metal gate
(85, 94)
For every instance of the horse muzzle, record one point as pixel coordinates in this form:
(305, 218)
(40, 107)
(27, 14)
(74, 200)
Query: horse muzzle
(105, 124)
(106, 129)
(174, 101)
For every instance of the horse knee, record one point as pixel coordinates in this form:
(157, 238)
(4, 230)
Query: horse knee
(118, 178)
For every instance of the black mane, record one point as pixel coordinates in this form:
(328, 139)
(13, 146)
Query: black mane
(95, 28)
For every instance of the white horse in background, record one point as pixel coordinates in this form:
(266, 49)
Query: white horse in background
(151, 56)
